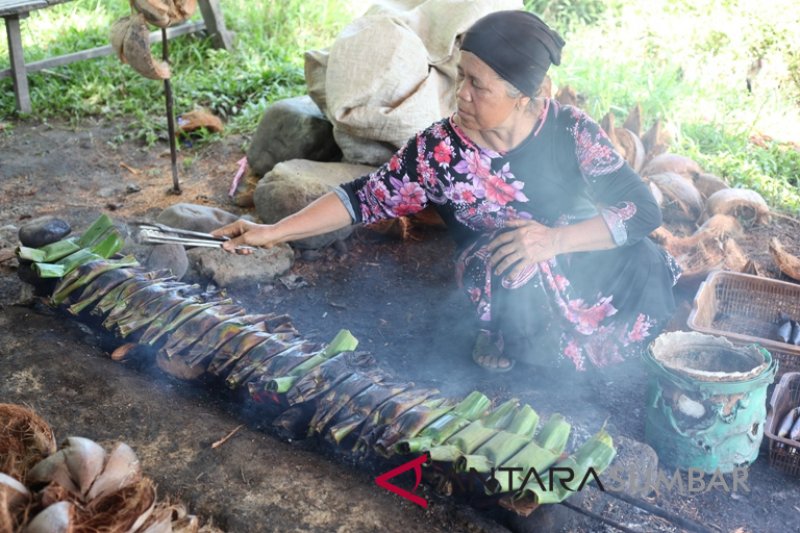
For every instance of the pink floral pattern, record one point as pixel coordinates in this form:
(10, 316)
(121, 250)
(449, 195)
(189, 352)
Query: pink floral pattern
(479, 191)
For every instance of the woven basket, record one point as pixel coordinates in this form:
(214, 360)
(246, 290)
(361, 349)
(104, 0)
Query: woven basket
(746, 309)
(784, 454)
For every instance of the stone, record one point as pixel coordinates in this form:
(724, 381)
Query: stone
(294, 128)
(195, 217)
(168, 256)
(8, 236)
(43, 230)
(229, 270)
(294, 184)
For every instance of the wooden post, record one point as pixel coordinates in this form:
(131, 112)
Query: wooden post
(215, 24)
(18, 71)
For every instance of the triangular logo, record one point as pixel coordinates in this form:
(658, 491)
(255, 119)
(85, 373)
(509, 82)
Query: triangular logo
(416, 464)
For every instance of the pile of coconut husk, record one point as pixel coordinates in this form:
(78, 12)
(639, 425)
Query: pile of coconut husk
(703, 215)
(79, 487)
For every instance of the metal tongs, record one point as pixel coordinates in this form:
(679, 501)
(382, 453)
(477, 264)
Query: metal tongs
(154, 233)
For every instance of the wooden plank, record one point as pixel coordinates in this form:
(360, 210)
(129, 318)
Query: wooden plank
(100, 51)
(212, 16)
(17, 70)
(17, 7)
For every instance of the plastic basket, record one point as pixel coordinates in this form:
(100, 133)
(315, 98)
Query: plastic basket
(747, 309)
(784, 454)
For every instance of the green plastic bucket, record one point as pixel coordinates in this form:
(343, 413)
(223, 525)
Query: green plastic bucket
(706, 401)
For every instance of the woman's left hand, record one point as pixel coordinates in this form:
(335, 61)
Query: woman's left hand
(528, 243)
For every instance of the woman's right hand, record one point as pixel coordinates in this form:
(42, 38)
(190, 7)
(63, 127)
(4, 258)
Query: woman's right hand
(247, 233)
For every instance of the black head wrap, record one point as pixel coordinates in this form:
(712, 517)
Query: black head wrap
(518, 45)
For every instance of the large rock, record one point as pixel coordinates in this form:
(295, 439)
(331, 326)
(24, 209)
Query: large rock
(227, 269)
(195, 217)
(168, 256)
(43, 230)
(294, 128)
(292, 185)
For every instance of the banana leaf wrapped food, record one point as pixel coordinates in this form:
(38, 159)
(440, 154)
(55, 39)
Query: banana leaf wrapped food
(387, 412)
(324, 376)
(167, 322)
(232, 351)
(140, 295)
(469, 409)
(336, 398)
(357, 410)
(503, 445)
(83, 275)
(159, 311)
(194, 329)
(105, 304)
(593, 456)
(285, 369)
(256, 361)
(97, 288)
(218, 335)
(471, 437)
(410, 423)
(538, 454)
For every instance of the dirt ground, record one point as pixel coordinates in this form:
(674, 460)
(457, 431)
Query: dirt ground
(398, 299)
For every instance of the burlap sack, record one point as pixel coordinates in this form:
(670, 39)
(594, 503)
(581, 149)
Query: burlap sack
(391, 72)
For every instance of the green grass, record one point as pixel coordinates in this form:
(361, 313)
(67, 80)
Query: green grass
(686, 62)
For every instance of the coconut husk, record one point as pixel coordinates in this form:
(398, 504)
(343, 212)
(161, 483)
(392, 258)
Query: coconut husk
(657, 194)
(634, 120)
(709, 255)
(14, 499)
(608, 125)
(126, 509)
(165, 13)
(199, 119)
(656, 140)
(708, 184)
(57, 517)
(787, 263)
(718, 228)
(745, 204)
(677, 164)
(682, 201)
(632, 148)
(721, 226)
(566, 95)
(25, 439)
(130, 38)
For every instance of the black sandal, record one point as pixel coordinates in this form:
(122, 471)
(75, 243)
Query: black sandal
(485, 347)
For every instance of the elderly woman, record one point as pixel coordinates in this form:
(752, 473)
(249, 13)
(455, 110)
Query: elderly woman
(550, 222)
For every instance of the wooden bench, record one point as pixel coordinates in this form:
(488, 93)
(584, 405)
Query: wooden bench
(15, 10)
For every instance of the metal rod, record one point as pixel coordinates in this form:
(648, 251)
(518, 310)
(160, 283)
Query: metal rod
(685, 523)
(173, 149)
(603, 519)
